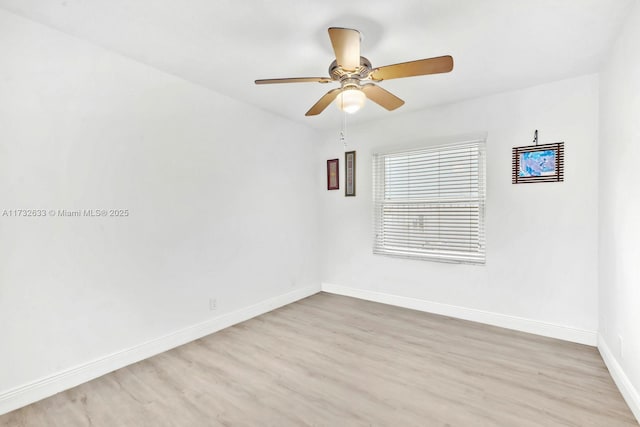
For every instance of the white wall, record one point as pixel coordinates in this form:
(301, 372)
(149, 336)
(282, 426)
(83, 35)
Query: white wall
(620, 209)
(220, 196)
(541, 238)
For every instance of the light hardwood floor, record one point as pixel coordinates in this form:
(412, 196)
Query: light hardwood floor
(335, 361)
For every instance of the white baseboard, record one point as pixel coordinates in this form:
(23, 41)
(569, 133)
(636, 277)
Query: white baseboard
(64, 380)
(629, 392)
(531, 326)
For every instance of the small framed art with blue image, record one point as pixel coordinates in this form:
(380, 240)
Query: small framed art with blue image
(538, 163)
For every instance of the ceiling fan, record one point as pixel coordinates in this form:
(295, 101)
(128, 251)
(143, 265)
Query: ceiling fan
(356, 75)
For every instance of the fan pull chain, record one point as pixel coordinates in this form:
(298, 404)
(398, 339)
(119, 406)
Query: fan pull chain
(343, 132)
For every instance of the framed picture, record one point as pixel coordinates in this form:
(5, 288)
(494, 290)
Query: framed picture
(538, 163)
(333, 175)
(350, 173)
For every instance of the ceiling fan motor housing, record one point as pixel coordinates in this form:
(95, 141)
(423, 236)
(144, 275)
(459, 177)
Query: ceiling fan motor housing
(339, 74)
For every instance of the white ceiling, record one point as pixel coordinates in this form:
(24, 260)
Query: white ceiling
(224, 45)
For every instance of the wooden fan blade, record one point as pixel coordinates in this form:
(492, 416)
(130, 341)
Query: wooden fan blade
(382, 97)
(441, 64)
(319, 106)
(294, 80)
(346, 45)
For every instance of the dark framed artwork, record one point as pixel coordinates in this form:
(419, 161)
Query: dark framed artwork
(538, 163)
(350, 173)
(333, 174)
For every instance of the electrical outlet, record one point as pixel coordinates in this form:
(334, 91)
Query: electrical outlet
(621, 342)
(213, 304)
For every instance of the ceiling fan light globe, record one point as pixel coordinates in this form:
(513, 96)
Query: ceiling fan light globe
(351, 100)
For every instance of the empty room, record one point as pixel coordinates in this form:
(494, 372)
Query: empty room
(302, 213)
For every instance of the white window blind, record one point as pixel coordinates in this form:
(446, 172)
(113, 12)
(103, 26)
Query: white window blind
(429, 203)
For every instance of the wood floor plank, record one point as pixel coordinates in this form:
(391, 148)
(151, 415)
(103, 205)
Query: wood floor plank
(329, 360)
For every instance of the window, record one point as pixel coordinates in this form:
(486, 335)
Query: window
(429, 203)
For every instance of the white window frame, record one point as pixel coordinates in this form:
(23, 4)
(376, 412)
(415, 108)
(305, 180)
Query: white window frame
(407, 217)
